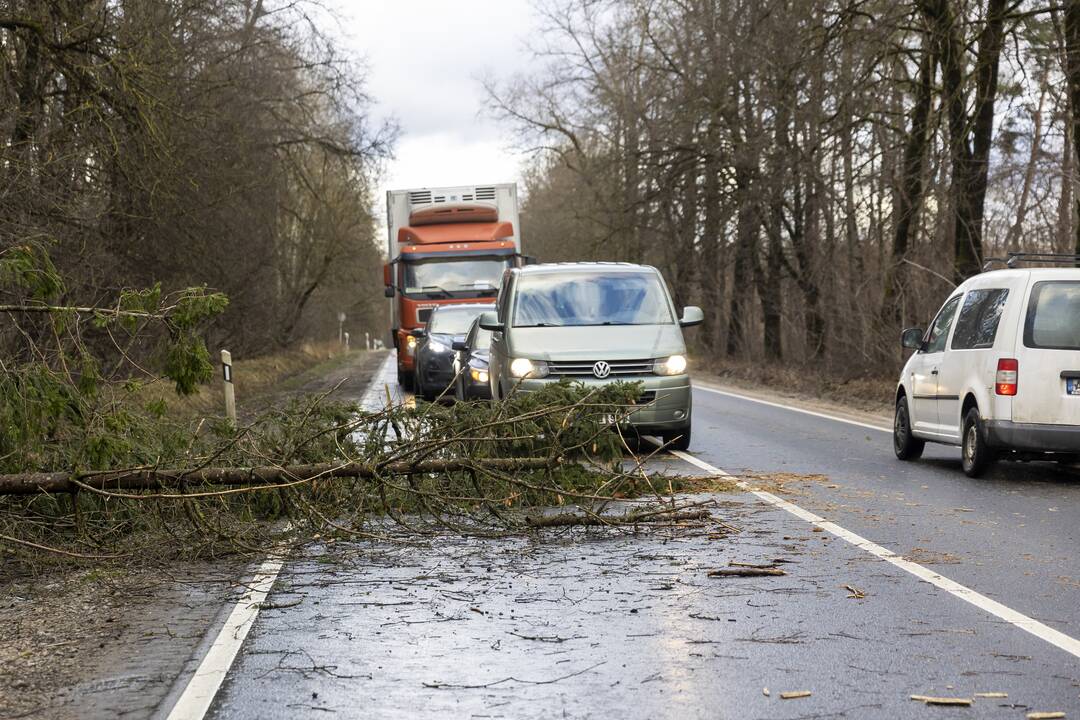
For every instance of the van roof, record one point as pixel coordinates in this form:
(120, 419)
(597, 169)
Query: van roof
(990, 277)
(584, 267)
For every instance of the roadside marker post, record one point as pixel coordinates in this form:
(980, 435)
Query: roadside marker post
(346, 342)
(230, 393)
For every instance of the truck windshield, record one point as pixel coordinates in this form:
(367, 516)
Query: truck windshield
(464, 277)
(576, 299)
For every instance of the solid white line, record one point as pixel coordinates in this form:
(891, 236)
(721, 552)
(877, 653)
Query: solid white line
(1044, 632)
(205, 683)
(826, 416)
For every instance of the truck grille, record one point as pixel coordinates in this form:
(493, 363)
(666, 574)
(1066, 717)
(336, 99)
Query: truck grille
(584, 368)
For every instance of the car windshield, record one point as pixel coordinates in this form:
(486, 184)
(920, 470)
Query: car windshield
(1053, 320)
(455, 321)
(602, 298)
(465, 277)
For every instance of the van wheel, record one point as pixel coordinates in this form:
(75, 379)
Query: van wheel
(976, 454)
(905, 445)
(678, 440)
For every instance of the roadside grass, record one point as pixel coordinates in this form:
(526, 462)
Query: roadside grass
(260, 382)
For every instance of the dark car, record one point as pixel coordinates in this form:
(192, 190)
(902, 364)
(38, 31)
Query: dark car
(435, 355)
(472, 364)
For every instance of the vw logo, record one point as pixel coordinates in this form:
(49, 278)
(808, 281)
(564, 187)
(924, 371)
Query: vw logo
(601, 369)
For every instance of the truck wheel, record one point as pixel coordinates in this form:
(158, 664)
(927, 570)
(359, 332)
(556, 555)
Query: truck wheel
(976, 454)
(678, 440)
(905, 445)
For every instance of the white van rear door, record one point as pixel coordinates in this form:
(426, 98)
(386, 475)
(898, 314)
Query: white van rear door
(1048, 354)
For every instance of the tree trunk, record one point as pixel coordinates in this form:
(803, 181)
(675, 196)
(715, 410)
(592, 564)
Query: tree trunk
(910, 191)
(1072, 50)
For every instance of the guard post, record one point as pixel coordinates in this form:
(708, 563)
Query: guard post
(230, 395)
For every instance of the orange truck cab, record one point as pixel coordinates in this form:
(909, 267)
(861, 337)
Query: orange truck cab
(446, 246)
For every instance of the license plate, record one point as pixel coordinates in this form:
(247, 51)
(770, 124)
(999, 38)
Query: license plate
(1072, 386)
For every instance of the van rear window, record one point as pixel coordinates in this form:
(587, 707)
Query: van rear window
(1053, 316)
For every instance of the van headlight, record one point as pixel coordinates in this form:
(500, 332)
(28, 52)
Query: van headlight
(674, 365)
(522, 368)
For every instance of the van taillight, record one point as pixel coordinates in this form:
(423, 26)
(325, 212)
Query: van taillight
(1007, 371)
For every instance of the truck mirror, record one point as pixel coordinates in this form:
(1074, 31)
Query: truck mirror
(691, 315)
(912, 338)
(490, 321)
(387, 275)
(388, 291)
(528, 260)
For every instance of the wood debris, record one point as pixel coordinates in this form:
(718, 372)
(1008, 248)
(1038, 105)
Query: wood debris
(854, 592)
(765, 691)
(745, 572)
(793, 694)
(931, 700)
(992, 695)
(1056, 715)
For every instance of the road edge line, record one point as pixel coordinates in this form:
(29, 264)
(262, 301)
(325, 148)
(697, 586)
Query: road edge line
(204, 684)
(1015, 618)
(209, 675)
(793, 408)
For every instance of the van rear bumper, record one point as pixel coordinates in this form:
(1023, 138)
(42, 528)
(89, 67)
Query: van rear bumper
(1034, 437)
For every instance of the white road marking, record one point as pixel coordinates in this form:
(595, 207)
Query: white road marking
(205, 683)
(203, 686)
(826, 416)
(1044, 632)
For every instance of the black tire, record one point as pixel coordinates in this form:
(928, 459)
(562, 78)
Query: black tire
(404, 379)
(905, 445)
(678, 439)
(975, 454)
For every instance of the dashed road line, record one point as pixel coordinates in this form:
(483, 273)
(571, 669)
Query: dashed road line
(1040, 630)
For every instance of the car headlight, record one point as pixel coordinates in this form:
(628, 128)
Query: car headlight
(437, 347)
(674, 365)
(479, 376)
(522, 367)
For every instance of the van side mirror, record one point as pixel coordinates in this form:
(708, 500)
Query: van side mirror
(490, 321)
(460, 345)
(419, 333)
(691, 315)
(912, 338)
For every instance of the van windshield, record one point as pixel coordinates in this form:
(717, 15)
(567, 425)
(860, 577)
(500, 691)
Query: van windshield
(1053, 318)
(603, 298)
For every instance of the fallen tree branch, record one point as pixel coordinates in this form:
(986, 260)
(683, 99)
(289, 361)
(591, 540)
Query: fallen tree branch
(153, 479)
(571, 519)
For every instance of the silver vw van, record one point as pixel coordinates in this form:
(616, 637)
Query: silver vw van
(595, 323)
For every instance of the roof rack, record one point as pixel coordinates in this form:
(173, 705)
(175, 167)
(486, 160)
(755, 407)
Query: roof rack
(1012, 259)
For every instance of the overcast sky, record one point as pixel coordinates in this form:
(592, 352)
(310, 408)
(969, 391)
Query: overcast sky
(425, 59)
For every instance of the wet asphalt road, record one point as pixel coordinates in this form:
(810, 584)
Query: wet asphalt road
(592, 625)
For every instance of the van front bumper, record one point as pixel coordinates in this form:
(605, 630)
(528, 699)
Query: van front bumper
(666, 405)
(1033, 437)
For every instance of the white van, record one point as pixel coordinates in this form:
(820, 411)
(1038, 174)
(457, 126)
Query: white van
(998, 371)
